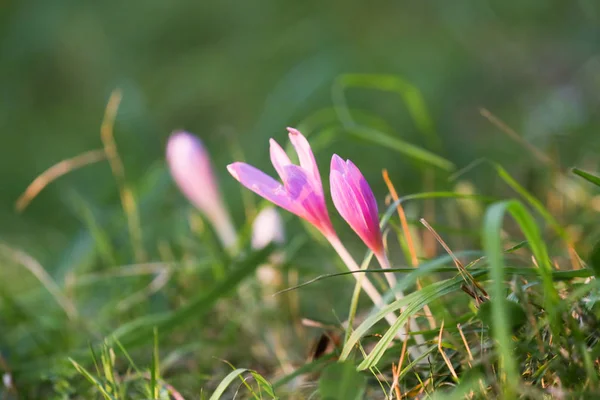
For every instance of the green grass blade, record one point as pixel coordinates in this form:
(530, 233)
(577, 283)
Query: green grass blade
(155, 370)
(264, 384)
(410, 95)
(413, 302)
(401, 146)
(587, 176)
(328, 117)
(535, 203)
(232, 376)
(492, 245)
(86, 374)
(493, 248)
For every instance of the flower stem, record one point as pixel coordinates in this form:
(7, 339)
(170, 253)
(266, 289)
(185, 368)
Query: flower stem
(365, 284)
(221, 222)
(391, 278)
(373, 294)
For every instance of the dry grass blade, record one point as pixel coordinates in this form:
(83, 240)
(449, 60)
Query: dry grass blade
(54, 172)
(396, 370)
(116, 165)
(409, 240)
(403, 221)
(444, 356)
(474, 286)
(464, 339)
(429, 245)
(40, 273)
(541, 156)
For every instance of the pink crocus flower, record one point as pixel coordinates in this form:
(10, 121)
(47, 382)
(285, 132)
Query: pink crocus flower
(301, 193)
(190, 166)
(354, 200)
(300, 190)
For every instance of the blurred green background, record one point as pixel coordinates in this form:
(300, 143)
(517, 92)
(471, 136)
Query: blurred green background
(246, 70)
(236, 73)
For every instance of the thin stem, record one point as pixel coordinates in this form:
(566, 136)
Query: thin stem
(391, 278)
(369, 289)
(365, 284)
(221, 222)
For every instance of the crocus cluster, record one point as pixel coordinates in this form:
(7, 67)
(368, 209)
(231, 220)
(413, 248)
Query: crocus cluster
(299, 190)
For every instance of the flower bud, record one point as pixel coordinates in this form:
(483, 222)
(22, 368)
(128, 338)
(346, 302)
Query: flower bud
(268, 228)
(190, 166)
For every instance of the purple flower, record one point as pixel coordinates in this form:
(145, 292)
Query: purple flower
(301, 190)
(354, 200)
(190, 166)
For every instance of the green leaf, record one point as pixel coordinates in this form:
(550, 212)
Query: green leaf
(92, 380)
(409, 93)
(264, 384)
(399, 145)
(492, 245)
(232, 376)
(587, 176)
(414, 303)
(341, 381)
(141, 329)
(327, 118)
(155, 371)
(415, 104)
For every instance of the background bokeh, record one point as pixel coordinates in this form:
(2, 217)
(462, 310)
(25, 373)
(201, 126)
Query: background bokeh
(237, 73)
(252, 68)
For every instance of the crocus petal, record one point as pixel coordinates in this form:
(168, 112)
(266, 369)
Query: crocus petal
(364, 195)
(338, 164)
(296, 182)
(355, 202)
(306, 157)
(300, 189)
(279, 157)
(263, 185)
(345, 201)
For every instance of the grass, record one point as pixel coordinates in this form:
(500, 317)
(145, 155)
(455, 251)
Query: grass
(507, 306)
